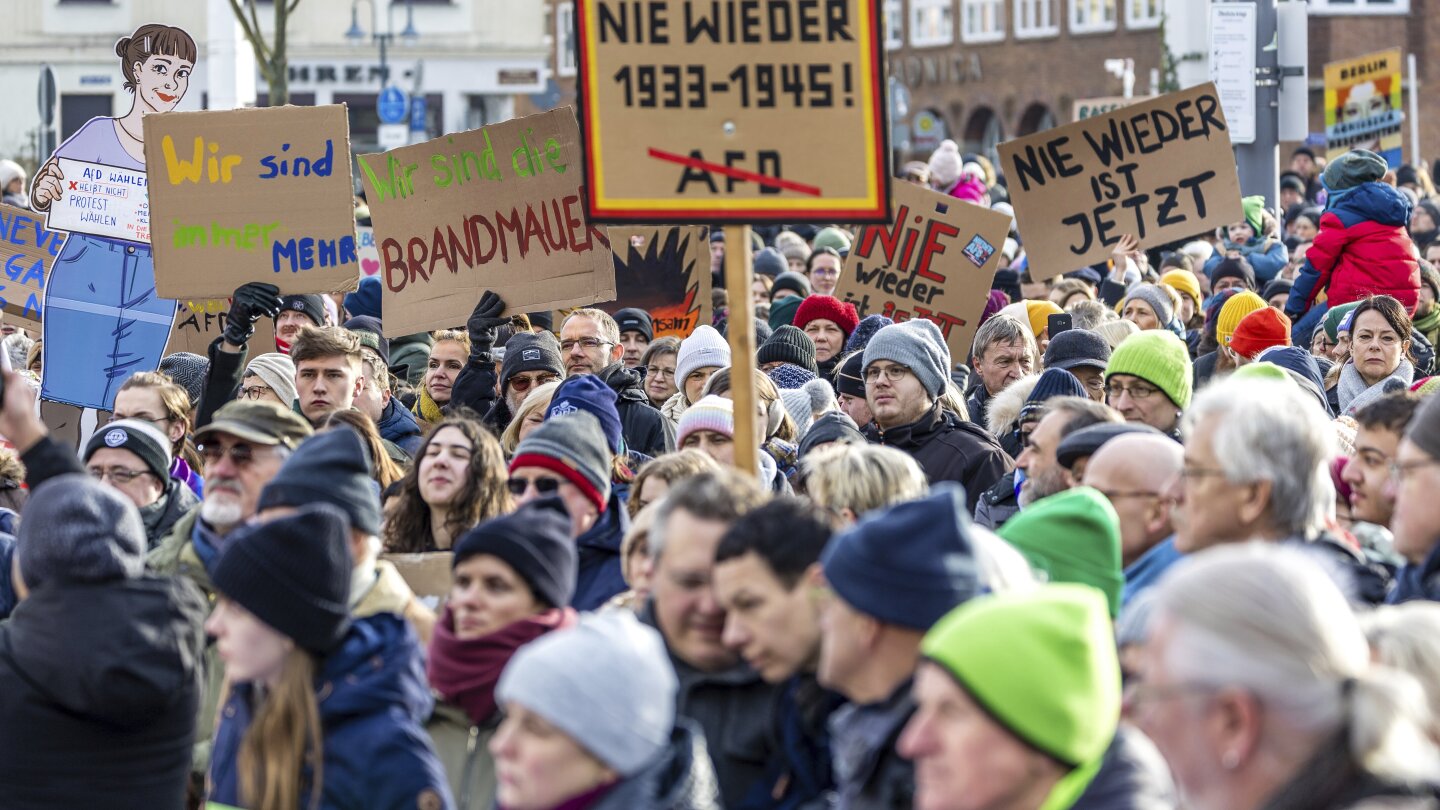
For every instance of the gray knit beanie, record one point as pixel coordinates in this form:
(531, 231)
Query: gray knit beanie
(79, 530)
(918, 345)
(607, 683)
(1157, 299)
(278, 372)
(572, 445)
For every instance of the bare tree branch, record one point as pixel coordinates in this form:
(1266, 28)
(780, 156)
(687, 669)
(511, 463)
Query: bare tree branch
(252, 33)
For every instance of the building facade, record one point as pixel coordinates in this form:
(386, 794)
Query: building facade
(467, 58)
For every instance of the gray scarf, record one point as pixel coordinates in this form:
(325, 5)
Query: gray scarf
(1354, 393)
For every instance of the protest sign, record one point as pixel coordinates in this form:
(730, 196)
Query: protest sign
(28, 249)
(935, 259)
(427, 574)
(101, 200)
(1364, 106)
(496, 208)
(1160, 170)
(730, 112)
(366, 251)
(251, 195)
(199, 322)
(666, 272)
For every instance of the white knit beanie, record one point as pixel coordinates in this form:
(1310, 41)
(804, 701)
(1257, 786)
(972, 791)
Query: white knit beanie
(278, 372)
(704, 348)
(945, 164)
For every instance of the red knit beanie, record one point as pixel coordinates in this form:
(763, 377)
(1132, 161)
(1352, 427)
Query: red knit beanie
(829, 308)
(1260, 330)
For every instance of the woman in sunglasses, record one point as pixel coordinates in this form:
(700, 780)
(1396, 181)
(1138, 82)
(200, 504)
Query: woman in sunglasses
(510, 581)
(456, 481)
(569, 457)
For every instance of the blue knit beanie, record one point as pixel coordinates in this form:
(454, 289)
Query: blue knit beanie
(586, 392)
(860, 338)
(788, 376)
(366, 298)
(1054, 382)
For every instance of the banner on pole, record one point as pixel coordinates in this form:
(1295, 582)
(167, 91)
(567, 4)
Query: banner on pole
(1364, 106)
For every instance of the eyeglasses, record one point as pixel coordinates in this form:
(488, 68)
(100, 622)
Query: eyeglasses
(1136, 392)
(143, 417)
(1400, 469)
(891, 373)
(1191, 473)
(825, 271)
(119, 475)
(1113, 496)
(657, 372)
(242, 454)
(584, 343)
(543, 486)
(256, 391)
(1138, 694)
(522, 384)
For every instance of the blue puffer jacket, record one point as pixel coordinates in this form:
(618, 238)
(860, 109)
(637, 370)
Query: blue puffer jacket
(373, 704)
(1414, 582)
(599, 578)
(1267, 257)
(399, 426)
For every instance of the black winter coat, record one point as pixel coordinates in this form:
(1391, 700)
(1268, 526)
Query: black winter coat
(1133, 776)
(644, 429)
(949, 449)
(99, 688)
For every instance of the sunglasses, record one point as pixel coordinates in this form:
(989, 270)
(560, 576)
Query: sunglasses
(544, 486)
(523, 384)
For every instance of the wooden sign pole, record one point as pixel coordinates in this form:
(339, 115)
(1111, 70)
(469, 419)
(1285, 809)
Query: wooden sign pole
(741, 329)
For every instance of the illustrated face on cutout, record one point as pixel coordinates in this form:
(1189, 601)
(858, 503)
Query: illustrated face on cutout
(161, 81)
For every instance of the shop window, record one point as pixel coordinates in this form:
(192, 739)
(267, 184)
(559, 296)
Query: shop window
(1359, 6)
(932, 23)
(1037, 18)
(565, 39)
(982, 20)
(1091, 16)
(894, 24)
(1143, 13)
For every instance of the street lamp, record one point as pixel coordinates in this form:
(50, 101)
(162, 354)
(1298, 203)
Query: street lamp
(357, 35)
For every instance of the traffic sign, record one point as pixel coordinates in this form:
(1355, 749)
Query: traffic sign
(417, 114)
(391, 136)
(46, 96)
(696, 115)
(392, 105)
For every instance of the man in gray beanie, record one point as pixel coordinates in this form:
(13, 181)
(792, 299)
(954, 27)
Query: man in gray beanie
(531, 360)
(100, 660)
(579, 680)
(906, 368)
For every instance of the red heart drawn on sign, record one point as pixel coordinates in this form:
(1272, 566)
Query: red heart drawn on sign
(369, 266)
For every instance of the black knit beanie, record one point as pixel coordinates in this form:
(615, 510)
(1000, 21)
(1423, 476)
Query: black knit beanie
(293, 573)
(788, 345)
(331, 467)
(528, 351)
(311, 306)
(535, 541)
(850, 377)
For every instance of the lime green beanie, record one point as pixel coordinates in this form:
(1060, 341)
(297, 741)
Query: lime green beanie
(1157, 357)
(1264, 370)
(1073, 536)
(1253, 206)
(1042, 663)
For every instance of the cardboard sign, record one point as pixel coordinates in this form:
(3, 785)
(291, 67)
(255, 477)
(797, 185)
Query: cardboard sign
(733, 112)
(936, 260)
(27, 249)
(252, 195)
(496, 208)
(101, 200)
(1160, 170)
(1364, 106)
(666, 272)
(198, 323)
(366, 252)
(427, 574)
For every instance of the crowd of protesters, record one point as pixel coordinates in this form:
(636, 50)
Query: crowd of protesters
(1182, 554)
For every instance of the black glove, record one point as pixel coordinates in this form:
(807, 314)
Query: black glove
(250, 303)
(485, 322)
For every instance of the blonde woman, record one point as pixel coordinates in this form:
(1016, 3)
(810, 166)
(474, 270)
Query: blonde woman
(528, 416)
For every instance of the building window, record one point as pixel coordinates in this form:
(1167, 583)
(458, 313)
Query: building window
(565, 39)
(932, 23)
(1359, 6)
(894, 25)
(1088, 16)
(1037, 18)
(982, 20)
(1143, 13)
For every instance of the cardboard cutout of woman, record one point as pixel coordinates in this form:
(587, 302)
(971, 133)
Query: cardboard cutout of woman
(103, 321)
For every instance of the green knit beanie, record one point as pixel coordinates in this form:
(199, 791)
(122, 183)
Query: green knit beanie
(834, 238)
(1253, 207)
(1042, 663)
(1073, 536)
(1264, 370)
(1334, 317)
(782, 312)
(1157, 357)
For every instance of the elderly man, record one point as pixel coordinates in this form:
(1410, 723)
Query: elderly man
(1416, 519)
(727, 698)
(1132, 471)
(1003, 352)
(906, 367)
(1256, 467)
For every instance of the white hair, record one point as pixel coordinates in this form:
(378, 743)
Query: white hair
(1002, 567)
(1407, 637)
(1267, 430)
(1268, 619)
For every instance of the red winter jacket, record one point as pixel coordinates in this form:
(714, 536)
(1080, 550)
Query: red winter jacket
(1362, 249)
